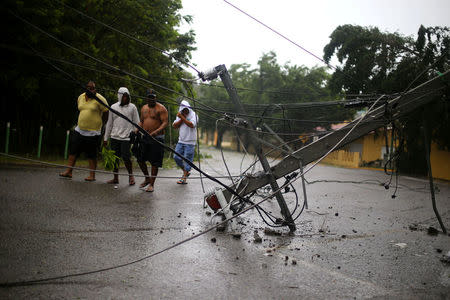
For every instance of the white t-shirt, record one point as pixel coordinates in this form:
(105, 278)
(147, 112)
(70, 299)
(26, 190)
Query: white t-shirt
(187, 135)
(117, 127)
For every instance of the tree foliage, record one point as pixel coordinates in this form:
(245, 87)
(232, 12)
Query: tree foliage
(36, 93)
(268, 92)
(388, 63)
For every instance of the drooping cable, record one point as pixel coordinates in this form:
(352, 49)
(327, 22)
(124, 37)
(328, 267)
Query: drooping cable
(198, 136)
(279, 34)
(144, 132)
(221, 152)
(37, 281)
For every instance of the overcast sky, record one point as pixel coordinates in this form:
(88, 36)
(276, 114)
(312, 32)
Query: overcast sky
(226, 36)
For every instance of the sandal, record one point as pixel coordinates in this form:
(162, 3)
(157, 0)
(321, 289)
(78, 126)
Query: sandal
(131, 180)
(89, 179)
(149, 189)
(182, 181)
(144, 184)
(64, 175)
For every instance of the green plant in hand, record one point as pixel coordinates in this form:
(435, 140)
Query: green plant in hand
(110, 159)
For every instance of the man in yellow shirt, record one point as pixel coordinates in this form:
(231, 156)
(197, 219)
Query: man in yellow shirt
(87, 135)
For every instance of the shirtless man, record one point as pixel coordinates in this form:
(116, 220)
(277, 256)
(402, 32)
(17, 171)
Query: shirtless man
(154, 120)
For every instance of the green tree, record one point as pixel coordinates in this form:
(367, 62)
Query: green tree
(388, 63)
(37, 93)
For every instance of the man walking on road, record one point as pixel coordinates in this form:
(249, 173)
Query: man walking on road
(186, 121)
(119, 130)
(154, 120)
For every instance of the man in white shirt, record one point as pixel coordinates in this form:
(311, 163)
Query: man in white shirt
(186, 121)
(118, 129)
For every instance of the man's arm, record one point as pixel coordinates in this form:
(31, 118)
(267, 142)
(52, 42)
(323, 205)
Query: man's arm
(105, 117)
(108, 128)
(177, 123)
(135, 117)
(182, 119)
(141, 119)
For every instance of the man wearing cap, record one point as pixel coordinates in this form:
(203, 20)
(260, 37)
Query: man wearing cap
(118, 130)
(154, 120)
(186, 122)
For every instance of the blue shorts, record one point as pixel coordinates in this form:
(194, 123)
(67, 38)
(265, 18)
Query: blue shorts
(186, 150)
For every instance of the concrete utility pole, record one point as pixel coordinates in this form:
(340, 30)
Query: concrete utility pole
(398, 107)
(222, 71)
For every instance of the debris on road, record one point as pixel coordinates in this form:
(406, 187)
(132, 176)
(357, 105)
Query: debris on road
(269, 231)
(256, 237)
(446, 258)
(432, 231)
(413, 227)
(400, 245)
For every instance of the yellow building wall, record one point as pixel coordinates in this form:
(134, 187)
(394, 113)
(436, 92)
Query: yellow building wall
(371, 151)
(372, 146)
(343, 158)
(440, 163)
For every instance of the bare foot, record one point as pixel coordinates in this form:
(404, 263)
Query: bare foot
(131, 180)
(89, 179)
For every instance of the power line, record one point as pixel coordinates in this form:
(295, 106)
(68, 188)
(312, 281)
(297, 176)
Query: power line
(253, 205)
(209, 109)
(289, 40)
(290, 106)
(100, 61)
(281, 35)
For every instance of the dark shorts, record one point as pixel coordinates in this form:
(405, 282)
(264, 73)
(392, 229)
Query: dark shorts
(90, 145)
(151, 151)
(121, 149)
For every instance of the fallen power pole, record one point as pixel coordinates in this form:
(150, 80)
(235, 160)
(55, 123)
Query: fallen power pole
(379, 117)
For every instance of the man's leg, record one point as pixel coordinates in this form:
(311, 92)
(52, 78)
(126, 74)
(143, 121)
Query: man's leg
(144, 170)
(71, 163)
(91, 147)
(93, 167)
(150, 187)
(179, 149)
(189, 151)
(73, 154)
(129, 166)
(116, 176)
(116, 147)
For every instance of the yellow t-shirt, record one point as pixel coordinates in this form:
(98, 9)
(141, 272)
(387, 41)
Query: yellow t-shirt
(90, 117)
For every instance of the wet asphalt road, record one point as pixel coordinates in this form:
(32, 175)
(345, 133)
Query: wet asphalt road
(354, 241)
